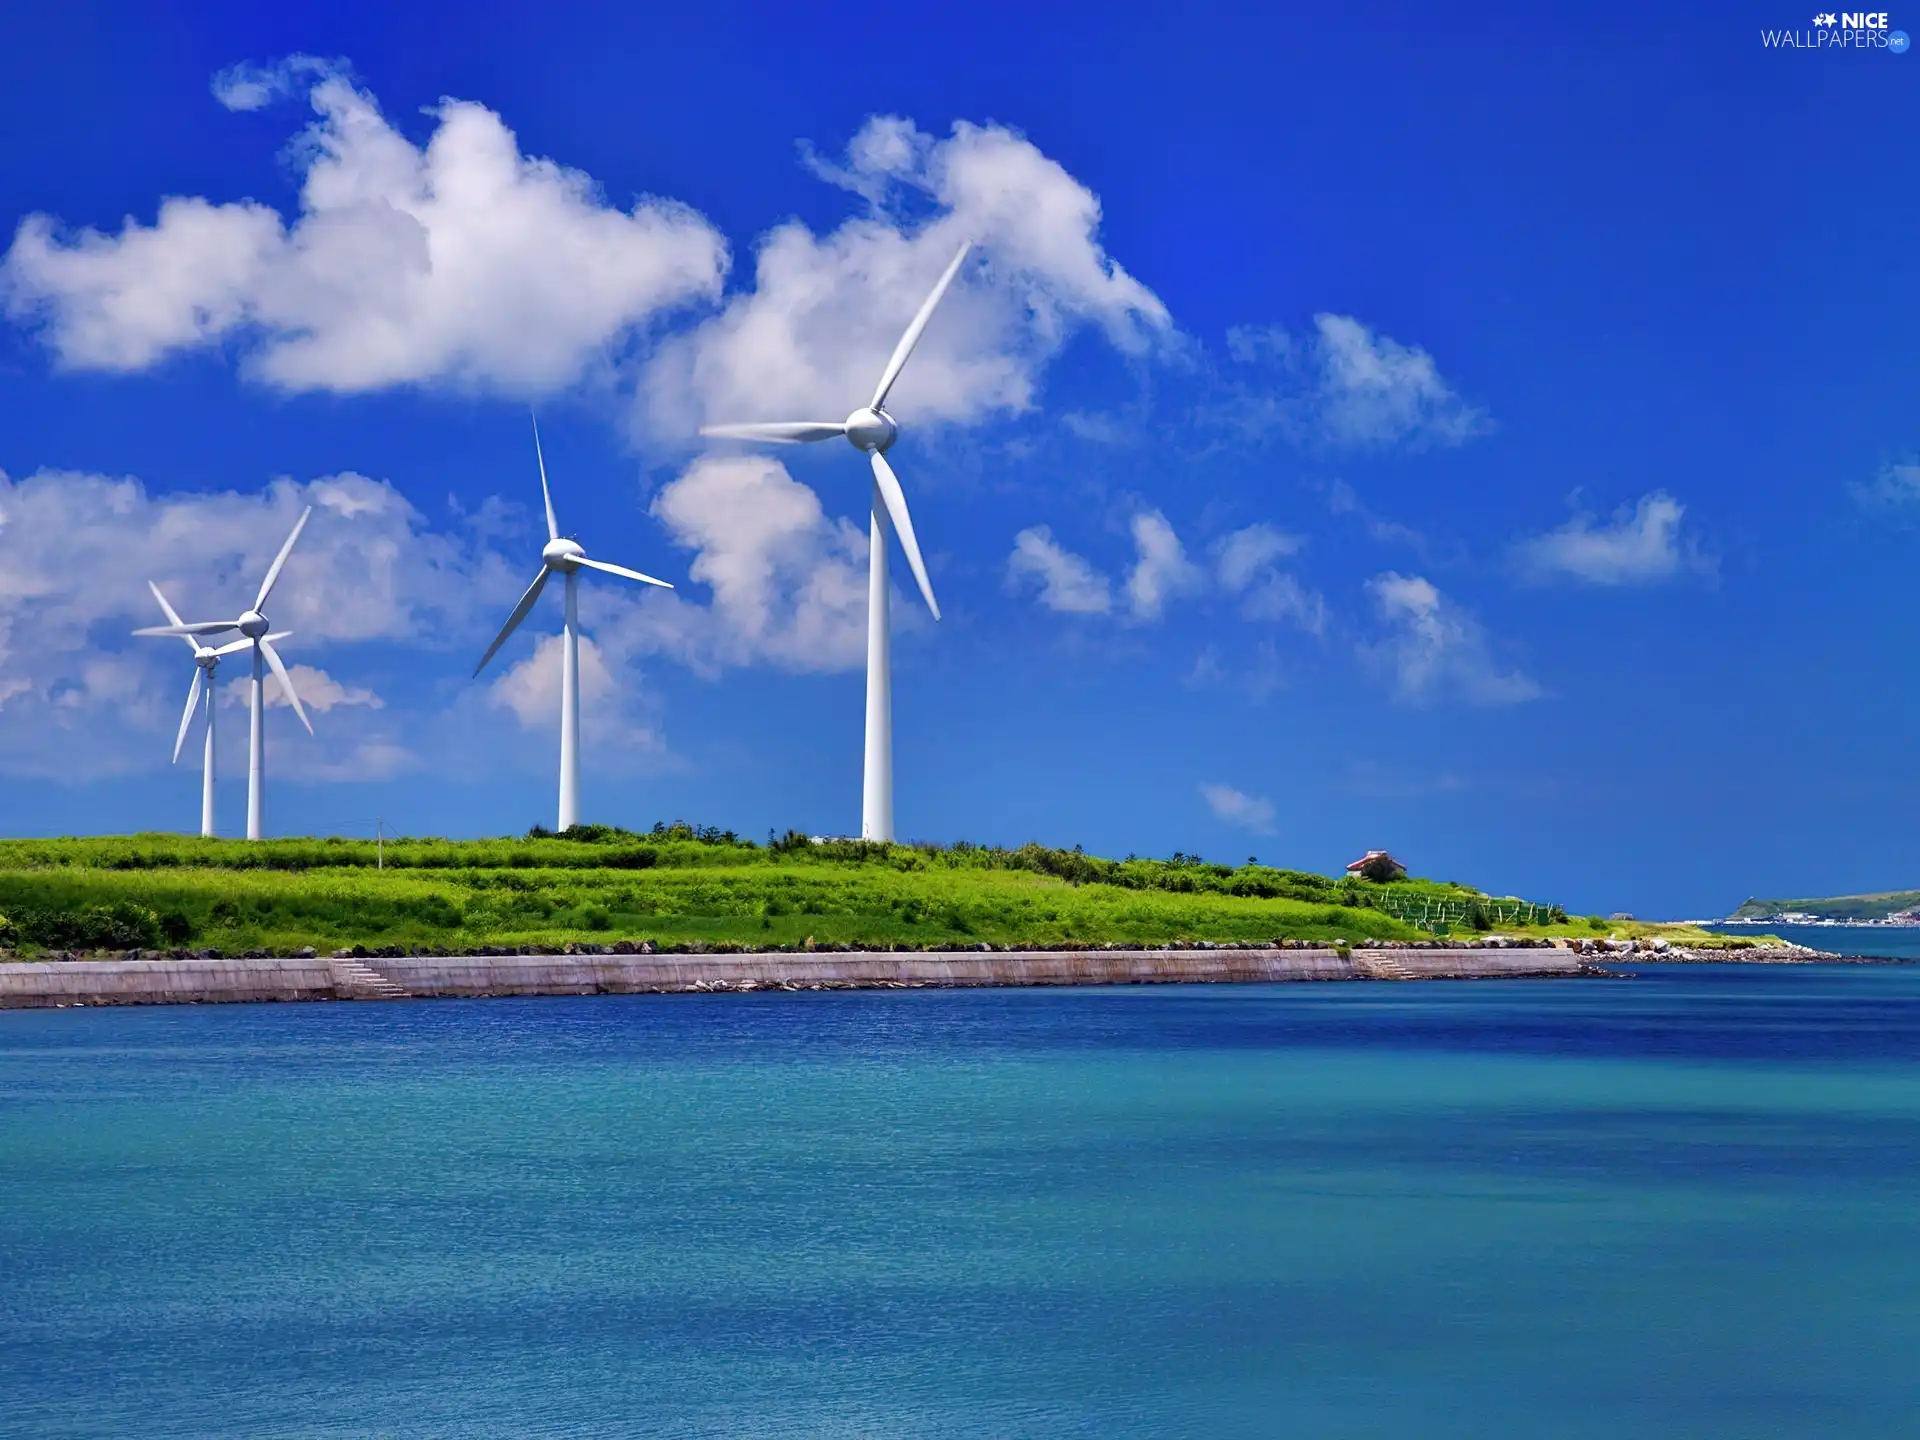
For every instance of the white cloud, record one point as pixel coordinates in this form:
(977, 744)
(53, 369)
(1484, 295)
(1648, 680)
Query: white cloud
(1067, 582)
(609, 709)
(1162, 572)
(80, 696)
(253, 87)
(1243, 555)
(1641, 546)
(1247, 812)
(1244, 563)
(810, 338)
(464, 261)
(1349, 387)
(788, 584)
(1896, 485)
(461, 261)
(77, 550)
(367, 760)
(1434, 649)
(319, 691)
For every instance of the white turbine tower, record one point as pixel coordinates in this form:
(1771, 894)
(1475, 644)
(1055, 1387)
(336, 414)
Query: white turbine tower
(873, 430)
(206, 660)
(254, 631)
(564, 556)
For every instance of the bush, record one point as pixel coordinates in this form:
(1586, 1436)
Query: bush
(119, 926)
(1476, 917)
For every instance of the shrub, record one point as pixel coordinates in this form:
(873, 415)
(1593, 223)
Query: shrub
(119, 926)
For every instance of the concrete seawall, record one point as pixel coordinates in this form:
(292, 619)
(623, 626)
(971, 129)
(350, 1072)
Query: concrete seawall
(51, 984)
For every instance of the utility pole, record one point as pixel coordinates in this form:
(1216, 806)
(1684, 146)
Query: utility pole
(380, 843)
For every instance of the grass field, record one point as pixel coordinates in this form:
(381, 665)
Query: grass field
(681, 887)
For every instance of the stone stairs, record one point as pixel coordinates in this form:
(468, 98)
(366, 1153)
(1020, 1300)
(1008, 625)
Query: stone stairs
(353, 980)
(1382, 966)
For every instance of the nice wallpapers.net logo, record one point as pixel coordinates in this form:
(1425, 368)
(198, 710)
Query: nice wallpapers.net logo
(1846, 30)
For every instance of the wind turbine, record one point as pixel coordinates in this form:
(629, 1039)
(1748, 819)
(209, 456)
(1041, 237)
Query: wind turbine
(564, 556)
(253, 628)
(206, 660)
(872, 429)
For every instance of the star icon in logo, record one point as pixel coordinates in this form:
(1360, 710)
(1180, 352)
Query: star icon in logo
(1828, 18)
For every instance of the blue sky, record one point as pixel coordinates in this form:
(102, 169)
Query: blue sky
(1490, 437)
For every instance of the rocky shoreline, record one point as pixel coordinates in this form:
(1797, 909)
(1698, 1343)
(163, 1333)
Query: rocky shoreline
(1650, 949)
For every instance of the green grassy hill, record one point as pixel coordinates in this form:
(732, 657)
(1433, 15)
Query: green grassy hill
(678, 887)
(1833, 907)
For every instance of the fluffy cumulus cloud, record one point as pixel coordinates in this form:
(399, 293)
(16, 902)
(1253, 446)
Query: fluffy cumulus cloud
(1347, 387)
(1065, 582)
(78, 694)
(784, 584)
(1641, 545)
(1234, 807)
(460, 260)
(615, 714)
(1245, 565)
(809, 338)
(1435, 650)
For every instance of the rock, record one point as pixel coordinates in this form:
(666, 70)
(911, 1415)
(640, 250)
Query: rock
(646, 946)
(305, 952)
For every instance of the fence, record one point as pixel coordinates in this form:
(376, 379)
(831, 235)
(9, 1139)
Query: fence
(1431, 912)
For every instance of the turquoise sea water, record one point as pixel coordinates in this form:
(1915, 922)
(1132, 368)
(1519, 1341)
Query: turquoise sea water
(1682, 1203)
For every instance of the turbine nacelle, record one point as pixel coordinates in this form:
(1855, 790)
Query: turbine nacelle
(252, 625)
(872, 430)
(562, 554)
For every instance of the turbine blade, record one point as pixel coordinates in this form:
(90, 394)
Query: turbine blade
(896, 501)
(201, 627)
(622, 570)
(186, 719)
(279, 635)
(546, 495)
(513, 620)
(286, 683)
(783, 432)
(912, 337)
(234, 647)
(273, 574)
(173, 615)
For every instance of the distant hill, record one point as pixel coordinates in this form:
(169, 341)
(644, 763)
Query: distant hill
(1880, 906)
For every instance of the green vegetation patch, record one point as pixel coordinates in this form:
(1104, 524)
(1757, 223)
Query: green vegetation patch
(676, 886)
(1844, 908)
